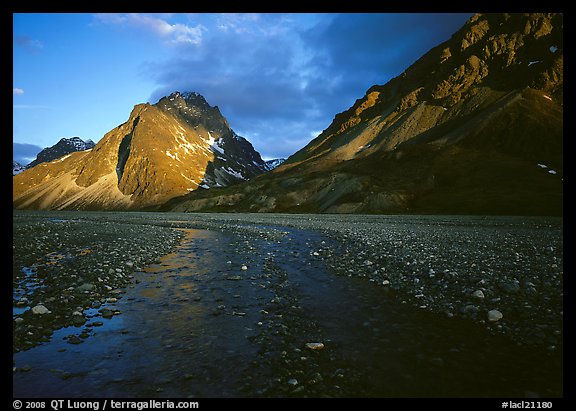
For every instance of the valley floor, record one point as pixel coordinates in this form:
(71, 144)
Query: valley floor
(236, 305)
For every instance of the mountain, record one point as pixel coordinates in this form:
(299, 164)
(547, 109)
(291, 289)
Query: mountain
(475, 126)
(272, 164)
(17, 168)
(164, 150)
(61, 148)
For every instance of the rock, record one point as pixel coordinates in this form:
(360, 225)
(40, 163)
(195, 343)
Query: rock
(244, 268)
(129, 264)
(385, 282)
(72, 339)
(316, 378)
(437, 361)
(494, 315)
(469, 309)
(85, 287)
(234, 278)
(315, 345)
(97, 324)
(107, 313)
(18, 320)
(478, 294)
(293, 381)
(40, 310)
(511, 288)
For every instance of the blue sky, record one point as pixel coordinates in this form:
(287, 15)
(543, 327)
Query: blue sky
(279, 79)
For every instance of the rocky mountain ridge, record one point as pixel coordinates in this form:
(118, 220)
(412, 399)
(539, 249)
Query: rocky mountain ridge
(61, 148)
(468, 128)
(164, 150)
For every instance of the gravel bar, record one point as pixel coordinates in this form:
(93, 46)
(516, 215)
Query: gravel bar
(504, 273)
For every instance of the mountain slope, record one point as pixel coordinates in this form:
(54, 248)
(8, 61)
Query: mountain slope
(61, 148)
(468, 128)
(162, 151)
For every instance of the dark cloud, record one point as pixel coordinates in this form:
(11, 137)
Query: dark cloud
(25, 153)
(277, 82)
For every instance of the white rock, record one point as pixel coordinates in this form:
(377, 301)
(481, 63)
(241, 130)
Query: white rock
(293, 381)
(244, 268)
(40, 310)
(494, 315)
(478, 294)
(385, 282)
(315, 345)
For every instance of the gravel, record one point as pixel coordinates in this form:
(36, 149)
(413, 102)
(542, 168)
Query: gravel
(65, 264)
(462, 267)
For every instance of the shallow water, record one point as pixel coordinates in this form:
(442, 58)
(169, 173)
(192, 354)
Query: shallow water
(198, 325)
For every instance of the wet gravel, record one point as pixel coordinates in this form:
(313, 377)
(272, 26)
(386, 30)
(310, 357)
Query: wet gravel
(481, 276)
(68, 264)
(456, 266)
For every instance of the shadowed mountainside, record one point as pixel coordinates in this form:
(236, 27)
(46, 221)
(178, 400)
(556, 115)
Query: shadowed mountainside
(474, 126)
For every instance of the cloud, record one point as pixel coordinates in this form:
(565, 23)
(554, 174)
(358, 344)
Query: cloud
(177, 33)
(31, 107)
(278, 78)
(16, 90)
(24, 153)
(27, 43)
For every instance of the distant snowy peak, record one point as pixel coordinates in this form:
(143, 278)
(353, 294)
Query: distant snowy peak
(272, 164)
(17, 168)
(63, 147)
(77, 143)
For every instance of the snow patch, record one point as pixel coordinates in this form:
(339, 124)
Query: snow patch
(534, 62)
(173, 156)
(552, 171)
(62, 158)
(216, 146)
(206, 186)
(210, 139)
(187, 178)
(234, 173)
(542, 165)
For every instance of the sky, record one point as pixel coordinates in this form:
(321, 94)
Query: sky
(279, 79)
